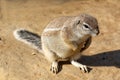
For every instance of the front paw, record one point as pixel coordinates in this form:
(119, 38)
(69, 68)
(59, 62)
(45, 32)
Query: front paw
(54, 67)
(74, 46)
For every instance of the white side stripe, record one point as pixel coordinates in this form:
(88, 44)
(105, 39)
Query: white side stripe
(52, 29)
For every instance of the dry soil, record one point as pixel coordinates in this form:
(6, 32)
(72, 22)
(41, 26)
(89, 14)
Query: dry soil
(19, 61)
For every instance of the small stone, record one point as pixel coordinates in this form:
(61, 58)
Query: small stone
(33, 53)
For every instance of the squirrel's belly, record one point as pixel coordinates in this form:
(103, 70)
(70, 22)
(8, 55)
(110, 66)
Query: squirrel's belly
(56, 45)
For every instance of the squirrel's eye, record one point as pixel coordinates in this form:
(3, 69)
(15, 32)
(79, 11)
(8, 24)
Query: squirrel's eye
(86, 26)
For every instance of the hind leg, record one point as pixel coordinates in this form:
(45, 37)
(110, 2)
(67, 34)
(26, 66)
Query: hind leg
(54, 63)
(51, 57)
(54, 67)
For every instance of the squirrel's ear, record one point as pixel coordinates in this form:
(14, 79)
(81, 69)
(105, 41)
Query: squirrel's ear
(78, 22)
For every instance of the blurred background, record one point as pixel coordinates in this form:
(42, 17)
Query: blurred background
(16, 59)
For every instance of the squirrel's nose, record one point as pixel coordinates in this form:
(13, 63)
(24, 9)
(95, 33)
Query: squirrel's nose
(98, 32)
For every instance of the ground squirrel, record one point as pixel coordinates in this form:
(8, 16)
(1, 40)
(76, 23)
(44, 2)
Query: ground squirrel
(63, 38)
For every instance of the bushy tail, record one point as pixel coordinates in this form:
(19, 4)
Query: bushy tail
(29, 38)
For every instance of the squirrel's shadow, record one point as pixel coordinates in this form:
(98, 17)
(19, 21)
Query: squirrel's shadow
(110, 58)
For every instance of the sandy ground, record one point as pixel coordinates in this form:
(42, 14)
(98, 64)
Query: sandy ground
(17, 61)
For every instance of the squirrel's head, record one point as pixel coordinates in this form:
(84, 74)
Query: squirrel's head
(87, 24)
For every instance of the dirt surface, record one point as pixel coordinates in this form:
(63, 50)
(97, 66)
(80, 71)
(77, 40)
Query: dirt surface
(19, 61)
